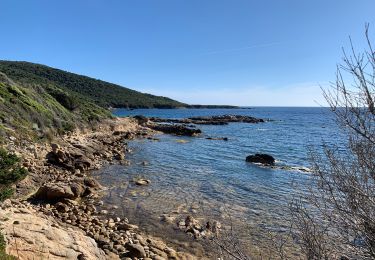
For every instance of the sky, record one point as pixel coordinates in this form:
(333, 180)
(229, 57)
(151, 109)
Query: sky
(236, 52)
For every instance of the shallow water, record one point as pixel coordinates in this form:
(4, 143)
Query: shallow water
(210, 179)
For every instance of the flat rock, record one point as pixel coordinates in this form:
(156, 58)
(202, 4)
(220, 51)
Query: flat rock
(38, 237)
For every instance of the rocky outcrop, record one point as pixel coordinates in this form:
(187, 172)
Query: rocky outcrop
(56, 191)
(210, 120)
(264, 159)
(176, 129)
(225, 119)
(31, 235)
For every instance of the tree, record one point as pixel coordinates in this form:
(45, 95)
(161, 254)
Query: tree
(341, 216)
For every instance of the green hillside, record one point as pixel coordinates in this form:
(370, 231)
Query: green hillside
(100, 92)
(32, 110)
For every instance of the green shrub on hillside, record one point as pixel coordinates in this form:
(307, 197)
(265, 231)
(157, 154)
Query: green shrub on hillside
(70, 102)
(10, 172)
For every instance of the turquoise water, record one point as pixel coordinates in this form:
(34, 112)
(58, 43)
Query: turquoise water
(210, 178)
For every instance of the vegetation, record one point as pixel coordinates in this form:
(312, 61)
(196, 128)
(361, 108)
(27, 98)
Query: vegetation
(36, 110)
(3, 255)
(10, 173)
(96, 91)
(343, 191)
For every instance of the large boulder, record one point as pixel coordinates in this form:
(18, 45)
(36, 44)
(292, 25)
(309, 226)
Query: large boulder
(264, 159)
(135, 251)
(55, 191)
(58, 191)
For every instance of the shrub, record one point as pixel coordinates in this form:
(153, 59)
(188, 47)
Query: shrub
(6, 192)
(68, 101)
(343, 191)
(10, 170)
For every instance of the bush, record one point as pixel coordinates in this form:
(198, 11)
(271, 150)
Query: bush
(343, 191)
(10, 170)
(68, 101)
(6, 192)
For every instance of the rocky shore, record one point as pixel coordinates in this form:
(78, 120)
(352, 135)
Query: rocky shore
(54, 214)
(57, 212)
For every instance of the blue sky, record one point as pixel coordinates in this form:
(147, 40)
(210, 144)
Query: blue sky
(271, 53)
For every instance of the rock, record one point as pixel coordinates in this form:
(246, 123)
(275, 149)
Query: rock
(61, 207)
(175, 129)
(264, 159)
(217, 138)
(142, 182)
(82, 164)
(91, 183)
(210, 120)
(127, 226)
(55, 191)
(77, 189)
(38, 237)
(190, 221)
(141, 119)
(54, 147)
(144, 163)
(135, 250)
(119, 156)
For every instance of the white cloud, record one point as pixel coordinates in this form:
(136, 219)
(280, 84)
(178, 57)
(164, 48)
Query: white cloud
(304, 94)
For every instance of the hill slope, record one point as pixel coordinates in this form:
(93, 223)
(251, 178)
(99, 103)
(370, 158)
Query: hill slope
(34, 110)
(100, 92)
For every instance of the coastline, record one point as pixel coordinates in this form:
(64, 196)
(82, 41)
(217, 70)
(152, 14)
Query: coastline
(59, 196)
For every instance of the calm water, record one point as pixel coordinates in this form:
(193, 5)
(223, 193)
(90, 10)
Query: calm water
(210, 179)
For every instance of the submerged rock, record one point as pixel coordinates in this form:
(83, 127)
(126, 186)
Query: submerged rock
(142, 182)
(264, 159)
(217, 138)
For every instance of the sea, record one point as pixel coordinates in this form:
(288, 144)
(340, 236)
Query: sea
(210, 179)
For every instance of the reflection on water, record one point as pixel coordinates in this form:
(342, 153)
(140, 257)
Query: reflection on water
(210, 179)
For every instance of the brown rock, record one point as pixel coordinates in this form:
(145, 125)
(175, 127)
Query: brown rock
(55, 191)
(135, 250)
